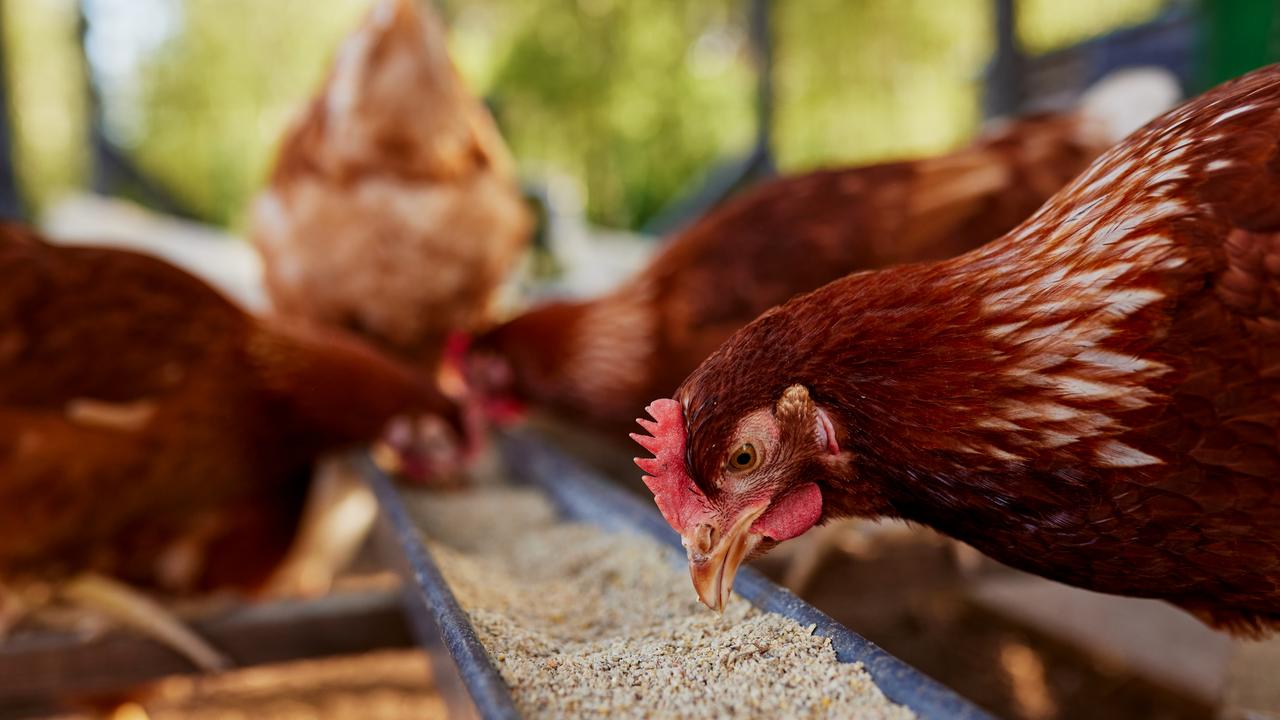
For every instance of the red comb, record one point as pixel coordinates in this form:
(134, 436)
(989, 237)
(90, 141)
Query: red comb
(673, 490)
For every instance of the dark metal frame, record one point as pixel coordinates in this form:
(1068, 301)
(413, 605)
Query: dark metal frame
(1016, 82)
(1005, 87)
(112, 172)
(11, 204)
(466, 678)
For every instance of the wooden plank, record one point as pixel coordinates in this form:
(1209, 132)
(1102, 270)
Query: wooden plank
(62, 663)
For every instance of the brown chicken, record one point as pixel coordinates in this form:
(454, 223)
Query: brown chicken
(153, 432)
(393, 209)
(600, 361)
(1094, 397)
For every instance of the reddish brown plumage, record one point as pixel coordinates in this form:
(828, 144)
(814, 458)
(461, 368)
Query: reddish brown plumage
(601, 361)
(393, 209)
(151, 430)
(1095, 397)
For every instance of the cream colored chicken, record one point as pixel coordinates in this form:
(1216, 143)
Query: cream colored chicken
(393, 208)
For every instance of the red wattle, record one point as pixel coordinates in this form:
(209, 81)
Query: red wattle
(791, 515)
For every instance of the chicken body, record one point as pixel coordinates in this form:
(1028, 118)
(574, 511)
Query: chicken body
(600, 361)
(152, 431)
(1095, 397)
(393, 208)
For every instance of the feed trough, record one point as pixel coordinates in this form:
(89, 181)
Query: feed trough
(467, 676)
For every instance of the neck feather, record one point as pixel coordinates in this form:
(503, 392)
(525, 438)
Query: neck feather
(339, 389)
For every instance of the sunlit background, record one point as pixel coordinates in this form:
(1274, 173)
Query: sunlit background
(640, 104)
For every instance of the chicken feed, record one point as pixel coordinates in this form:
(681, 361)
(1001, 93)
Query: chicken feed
(584, 623)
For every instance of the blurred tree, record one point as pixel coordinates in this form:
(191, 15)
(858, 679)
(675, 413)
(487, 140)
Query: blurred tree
(216, 95)
(1045, 25)
(864, 80)
(46, 98)
(635, 99)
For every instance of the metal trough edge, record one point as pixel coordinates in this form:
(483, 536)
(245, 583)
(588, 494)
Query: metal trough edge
(582, 495)
(460, 666)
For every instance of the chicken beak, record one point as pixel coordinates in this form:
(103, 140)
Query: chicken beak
(714, 561)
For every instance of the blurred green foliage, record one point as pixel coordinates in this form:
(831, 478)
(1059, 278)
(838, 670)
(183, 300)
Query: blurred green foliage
(1045, 25)
(634, 99)
(46, 95)
(216, 96)
(864, 80)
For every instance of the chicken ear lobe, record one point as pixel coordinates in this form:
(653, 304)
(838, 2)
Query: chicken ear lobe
(796, 412)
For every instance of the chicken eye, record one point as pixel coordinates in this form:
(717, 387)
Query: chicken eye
(744, 458)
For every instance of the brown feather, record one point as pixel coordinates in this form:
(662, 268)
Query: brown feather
(141, 412)
(601, 361)
(393, 208)
(1093, 397)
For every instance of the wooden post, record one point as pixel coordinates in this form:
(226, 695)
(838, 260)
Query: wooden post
(761, 34)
